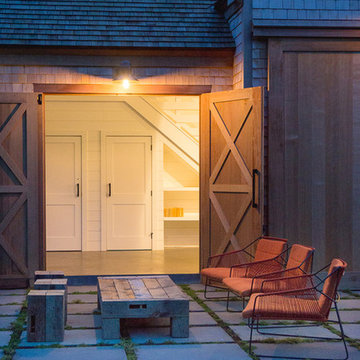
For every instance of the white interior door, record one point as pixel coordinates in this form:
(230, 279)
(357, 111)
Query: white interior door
(63, 193)
(128, 193)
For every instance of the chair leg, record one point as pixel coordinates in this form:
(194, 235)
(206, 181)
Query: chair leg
(228, 301)
(258, 329)
(251, 334)
(207, 284)
(342, 331)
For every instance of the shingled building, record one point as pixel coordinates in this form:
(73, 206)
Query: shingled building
(278, 83)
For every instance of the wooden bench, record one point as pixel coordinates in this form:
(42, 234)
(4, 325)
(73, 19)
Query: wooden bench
(141, 297)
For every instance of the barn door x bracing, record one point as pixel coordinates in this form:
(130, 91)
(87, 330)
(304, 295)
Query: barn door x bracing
(20, 244)
(231, 150)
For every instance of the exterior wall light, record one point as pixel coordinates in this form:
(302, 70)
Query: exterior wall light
(124, 74)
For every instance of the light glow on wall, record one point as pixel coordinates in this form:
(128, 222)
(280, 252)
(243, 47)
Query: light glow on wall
(126, 83)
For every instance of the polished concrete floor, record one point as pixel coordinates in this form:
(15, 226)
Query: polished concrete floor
(168, 261)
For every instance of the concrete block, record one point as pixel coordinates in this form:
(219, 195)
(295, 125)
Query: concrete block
(244, 332)
(81, 289)
(6, 321)
(221, 305)
(53, 284)
(5, 300)
(84, 321)
(10, 310)
(346, 316)
(350, 330)
(349, 304)
(307, 350)
(73, 337)
(201, 318)
(82, 308)
(82, 298)
(41, 274)
(179, 326)
(13, 292)
(197, 334)
(46, 315)
(230, 318)
(194, 306)
(5, 337)
(74, 353)
(192, 351)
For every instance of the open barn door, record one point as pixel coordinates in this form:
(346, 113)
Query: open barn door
(20, 184)
(231, 170)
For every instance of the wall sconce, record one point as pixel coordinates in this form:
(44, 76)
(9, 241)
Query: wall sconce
(124, 73)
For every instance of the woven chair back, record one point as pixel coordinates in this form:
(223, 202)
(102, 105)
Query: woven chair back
(300, 257)
(336, 271)
(269, 248)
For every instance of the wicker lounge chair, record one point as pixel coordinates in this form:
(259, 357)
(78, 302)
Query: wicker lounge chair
(245, 280)
(311, 301)
(219, 266)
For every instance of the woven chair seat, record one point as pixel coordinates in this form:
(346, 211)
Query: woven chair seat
(220, 265)
(240, 286)
(278, 307)
(216, 273)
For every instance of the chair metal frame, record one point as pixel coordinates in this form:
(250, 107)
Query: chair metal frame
(265, 276)
(220, 285)
(253, 322)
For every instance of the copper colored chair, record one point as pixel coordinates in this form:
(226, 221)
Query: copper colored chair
(244, 284)
(311, 301)
(219, 266)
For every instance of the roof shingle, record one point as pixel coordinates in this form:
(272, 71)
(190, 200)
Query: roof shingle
(115, 23)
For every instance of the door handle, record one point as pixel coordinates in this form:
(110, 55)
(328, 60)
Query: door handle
(109, 189)
(77, 190)
(254, 173)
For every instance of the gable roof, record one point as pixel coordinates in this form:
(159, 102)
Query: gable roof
(114, 23)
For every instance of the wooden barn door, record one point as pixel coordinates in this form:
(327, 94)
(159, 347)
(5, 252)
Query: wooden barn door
(231, 170)
(20, 244)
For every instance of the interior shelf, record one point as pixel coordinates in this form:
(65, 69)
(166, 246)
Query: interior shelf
(186, 217)
(185, 188)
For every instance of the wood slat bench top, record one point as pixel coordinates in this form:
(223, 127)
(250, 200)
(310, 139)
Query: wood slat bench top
(141, 288)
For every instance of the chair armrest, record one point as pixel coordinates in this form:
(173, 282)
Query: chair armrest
(228, 259)
(280, 274)
(287, 283)
(257, 268)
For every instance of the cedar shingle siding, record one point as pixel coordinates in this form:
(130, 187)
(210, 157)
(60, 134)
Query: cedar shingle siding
(111, 23)
(298, 13)
(307, 9)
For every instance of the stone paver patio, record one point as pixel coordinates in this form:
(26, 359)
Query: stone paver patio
(214, 333)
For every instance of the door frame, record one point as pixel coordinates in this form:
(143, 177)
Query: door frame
(43, 89)
(103, 232)
(84, 141)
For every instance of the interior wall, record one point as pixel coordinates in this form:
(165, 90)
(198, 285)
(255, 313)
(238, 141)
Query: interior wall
(92, 115)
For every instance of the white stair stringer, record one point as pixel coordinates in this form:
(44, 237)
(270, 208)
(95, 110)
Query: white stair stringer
(175, 136)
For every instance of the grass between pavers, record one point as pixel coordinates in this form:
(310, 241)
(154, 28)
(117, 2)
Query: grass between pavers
(243, 344)
(69, 327)
(17, 328)
(353, 295)
(352, 342)
(77, 301)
